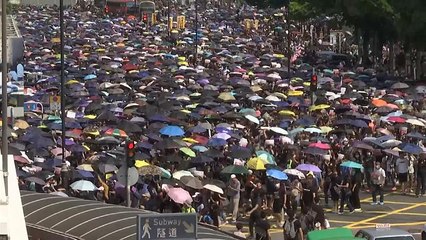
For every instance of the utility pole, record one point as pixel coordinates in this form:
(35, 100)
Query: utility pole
(196, 32)
(168, 20)
(64, 168)
(288, 42)
(4, 146)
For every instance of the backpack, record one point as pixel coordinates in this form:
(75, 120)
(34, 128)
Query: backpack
(289, 229)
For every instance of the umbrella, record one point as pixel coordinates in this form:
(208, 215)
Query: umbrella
(277, 174)
(308, 168)
(252, 119)
(188, 151)
(83, 185)
(107, 168)
(172, 131)
(191, 182)
(351, 164)
(36, 180)
(150, 170)
(256, 164)
(266, 156)
(177, 175)
(179, 195)
(213, 188)
(116, 132)
(234, 169)
(61, 194)
(294, 172)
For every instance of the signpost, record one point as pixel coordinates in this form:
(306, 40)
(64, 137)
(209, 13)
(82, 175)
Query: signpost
(176, 226)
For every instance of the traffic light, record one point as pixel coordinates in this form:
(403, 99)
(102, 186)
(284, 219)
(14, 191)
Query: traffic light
(130, 153)
(145, 18)
(314, 83)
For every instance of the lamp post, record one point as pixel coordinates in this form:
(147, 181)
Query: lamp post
(288, 42)
(4, 147)
(196, 31)
(64, 169)
(168, 19)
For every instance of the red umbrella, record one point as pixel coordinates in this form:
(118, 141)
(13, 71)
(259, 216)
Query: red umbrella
(396, 119)
(201, 139)
(320, 145)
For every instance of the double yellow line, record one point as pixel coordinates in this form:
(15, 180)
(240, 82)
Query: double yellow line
(366, 221)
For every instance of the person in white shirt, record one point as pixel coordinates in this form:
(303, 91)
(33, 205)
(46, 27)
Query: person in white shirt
(378, 177)
(402, 164)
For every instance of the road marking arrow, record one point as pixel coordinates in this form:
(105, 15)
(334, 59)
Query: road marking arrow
(189, 228)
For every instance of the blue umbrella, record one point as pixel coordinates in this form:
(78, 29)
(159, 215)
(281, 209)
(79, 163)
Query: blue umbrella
(410, 148)
(216, 142)
(90, 77)
(277, 174)
(351, 164)
(172, 131)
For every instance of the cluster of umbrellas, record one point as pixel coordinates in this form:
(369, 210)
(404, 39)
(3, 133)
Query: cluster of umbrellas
(124, 80)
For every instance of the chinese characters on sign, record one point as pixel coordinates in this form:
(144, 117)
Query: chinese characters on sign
(175, 226)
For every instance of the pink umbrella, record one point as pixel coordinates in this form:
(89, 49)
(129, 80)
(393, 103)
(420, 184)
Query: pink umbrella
(179, 195)
(320, 145)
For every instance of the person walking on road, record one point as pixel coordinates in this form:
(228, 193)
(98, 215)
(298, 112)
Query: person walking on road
(421, 177)
(402, 164)
(378, 177)
(292, 227)
(234, 193)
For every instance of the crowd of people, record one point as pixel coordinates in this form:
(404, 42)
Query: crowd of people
(226, 131)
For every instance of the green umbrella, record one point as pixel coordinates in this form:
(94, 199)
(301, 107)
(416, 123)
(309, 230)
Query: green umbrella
(234, 169)
(351, 164)
(188, 151)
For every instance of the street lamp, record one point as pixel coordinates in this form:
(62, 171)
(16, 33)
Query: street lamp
(196, 31)
(4, 147)
(64, 169)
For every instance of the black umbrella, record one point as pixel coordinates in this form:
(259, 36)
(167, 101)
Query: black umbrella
(240, 152)
(35, 180)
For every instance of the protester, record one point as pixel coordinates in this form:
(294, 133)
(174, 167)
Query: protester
(378, 178)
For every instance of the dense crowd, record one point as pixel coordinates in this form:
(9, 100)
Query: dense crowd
(226, 131)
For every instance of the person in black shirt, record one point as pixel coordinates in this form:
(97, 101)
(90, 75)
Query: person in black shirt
(345, 194)
(262, 227)
(421, 177)
(356, 181)
(292, 227)
(257, 202)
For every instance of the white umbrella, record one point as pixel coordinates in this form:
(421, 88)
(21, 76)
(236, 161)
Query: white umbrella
(279, 130)
(83, 185)
(415, 122)
(177, 175)
(252, 119)
(313, 130)
(295, 172)
(213, 188)
(272, 98)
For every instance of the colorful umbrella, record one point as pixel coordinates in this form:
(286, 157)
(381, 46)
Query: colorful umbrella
(351, 164)
(116, 132)
(234, 169)
(308, 168)
(179, 195)
(256, 164)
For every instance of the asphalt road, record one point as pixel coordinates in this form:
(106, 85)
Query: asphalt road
(401, 211)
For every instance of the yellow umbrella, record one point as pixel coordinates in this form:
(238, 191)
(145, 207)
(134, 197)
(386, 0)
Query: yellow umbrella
(183, 63)
(190, 140)
(73, 81)
(188, 151)
(256, 164)
(21, 124)
(181, 59)
(100, 50)
(256, 88)
(141, 163)
(226, 96)
(56, 40)
(326, 129)
(85, 167)
(192, 105)
(287, 112)
(280, 95)
(278, 55)
(319, 107)
(307, 84)
(294, 93)
(185, 111)
(91, 116)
